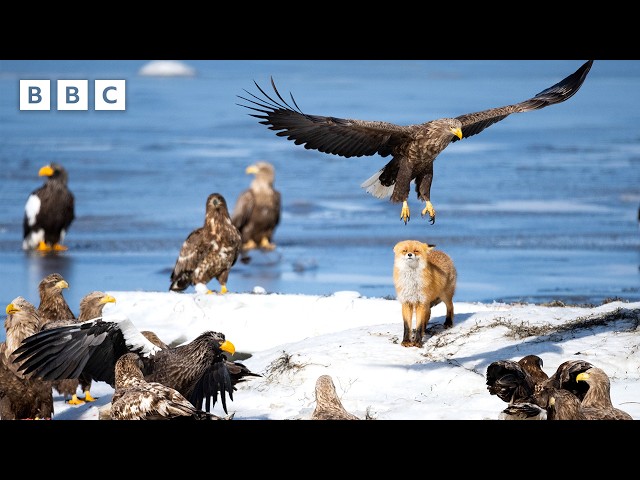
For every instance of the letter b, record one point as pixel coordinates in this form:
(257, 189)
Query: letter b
(35, 95)
(73, 95)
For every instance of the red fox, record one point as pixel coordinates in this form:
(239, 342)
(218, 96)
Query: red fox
(423, 277)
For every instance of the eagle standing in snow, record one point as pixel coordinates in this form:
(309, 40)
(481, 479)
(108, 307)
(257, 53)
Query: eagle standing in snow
(209, 251)
(413, 148)
(257, 211)
(197, 369)
(21, 397)
(49, 212)
(136, 399)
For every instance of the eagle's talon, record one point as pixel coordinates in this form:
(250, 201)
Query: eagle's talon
(405, 214)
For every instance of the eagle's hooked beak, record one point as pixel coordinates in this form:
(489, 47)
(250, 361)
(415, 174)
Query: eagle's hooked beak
(45, 171)
(457, 132)
(227, 346)
(251, 169)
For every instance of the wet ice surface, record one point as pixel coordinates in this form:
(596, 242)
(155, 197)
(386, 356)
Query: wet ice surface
(541, 206)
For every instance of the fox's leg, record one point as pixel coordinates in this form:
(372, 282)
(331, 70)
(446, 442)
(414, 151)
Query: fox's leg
(407, 317)
(423, 314)
(448, 323)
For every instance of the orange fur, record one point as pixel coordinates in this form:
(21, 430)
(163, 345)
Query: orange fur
(423, 277)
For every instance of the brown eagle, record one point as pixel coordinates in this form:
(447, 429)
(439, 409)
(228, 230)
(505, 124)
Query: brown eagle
(257, 211)
(209, 251)
(197, 369)
(134, 398)
(328, 404)
(55, 311)
(597, 399)
(49, 211)
(413, 148)
(21, 397)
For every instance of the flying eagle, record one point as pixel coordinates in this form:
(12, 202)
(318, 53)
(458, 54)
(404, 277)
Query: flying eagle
(49, 212)
(198, 369)
(21, 397)
(257, 211)
(328, 404)
(134, 398)
(209, 251)
(412, 148)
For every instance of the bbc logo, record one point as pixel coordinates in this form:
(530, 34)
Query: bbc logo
(73, 94)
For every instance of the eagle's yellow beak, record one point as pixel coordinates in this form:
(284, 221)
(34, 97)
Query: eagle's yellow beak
(45, 171)
(251, 169)
(457, 132)
(107, 299)
(227, 346)
(582, 376)
(62, 284)
(11, 309)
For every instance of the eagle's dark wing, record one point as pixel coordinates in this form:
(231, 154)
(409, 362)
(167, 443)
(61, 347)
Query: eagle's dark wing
(193, 250)
(91, 348)
(338, 136)
(509, 381)
(474, 123)
(243, 209)
(565, 377)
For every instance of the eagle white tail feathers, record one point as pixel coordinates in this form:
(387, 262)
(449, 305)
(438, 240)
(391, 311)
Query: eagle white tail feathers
(373, 186)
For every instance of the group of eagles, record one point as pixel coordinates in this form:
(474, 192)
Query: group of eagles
(208, 252)
(48, 348)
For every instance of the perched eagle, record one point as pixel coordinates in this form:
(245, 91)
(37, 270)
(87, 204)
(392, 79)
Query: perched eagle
(134, 398)
(91, 307)
(257, 211)
(21, 397)
(55, 311)
(412, 148)
(198, 369)
(328, 404)
(209, 251)
(49, 212)
(597, 399)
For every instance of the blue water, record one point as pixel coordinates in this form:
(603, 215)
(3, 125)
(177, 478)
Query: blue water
(540, 206)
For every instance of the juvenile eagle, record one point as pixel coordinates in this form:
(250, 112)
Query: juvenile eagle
(257, 211)
(134, 398)
(21, 397)
(49, 212)
(197, 369)
(413, 148)
(209, 251)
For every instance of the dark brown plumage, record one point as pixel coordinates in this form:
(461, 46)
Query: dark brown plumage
(209, 251)
(55, 311)
(21, 397)
(198, 369)
(257, 211)
(413, 148)
(597, 402)
(49, 211)
(134, 398)
(91, 307)
(514, 382)
(328, 404)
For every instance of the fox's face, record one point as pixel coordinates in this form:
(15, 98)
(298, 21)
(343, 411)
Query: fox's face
(411, 253)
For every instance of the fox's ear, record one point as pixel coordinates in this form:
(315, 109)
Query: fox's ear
(430, 246)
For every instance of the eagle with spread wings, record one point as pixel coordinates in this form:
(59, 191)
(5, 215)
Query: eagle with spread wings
(413, 148)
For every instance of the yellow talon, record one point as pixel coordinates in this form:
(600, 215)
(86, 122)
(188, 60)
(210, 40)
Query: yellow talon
(75, 400)
(250, 245)
(223, 289)
(404, 213)
(43, 247)
(88, 397)
(431, 211)
(266, 245)
(59, 248)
